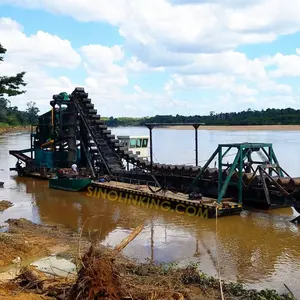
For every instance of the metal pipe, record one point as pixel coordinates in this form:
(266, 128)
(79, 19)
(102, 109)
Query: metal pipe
(196, 126)
(31, 144)
(52, 116)
(151, 148)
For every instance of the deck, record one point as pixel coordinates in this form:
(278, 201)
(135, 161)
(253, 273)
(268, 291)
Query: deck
(206, 205)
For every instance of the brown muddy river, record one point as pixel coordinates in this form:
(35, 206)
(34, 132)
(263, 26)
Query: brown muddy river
(259, 249)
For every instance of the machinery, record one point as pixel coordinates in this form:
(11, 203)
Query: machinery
(72, 132)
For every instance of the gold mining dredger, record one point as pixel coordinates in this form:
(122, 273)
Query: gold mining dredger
(73, 132)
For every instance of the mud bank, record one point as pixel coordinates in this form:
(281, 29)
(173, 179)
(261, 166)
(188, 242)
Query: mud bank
(7, 129)
(24, 241)
(103, 273)
(4, 204)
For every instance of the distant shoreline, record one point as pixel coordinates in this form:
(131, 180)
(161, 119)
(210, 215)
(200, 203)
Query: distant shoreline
(7, 129)
(237, 127)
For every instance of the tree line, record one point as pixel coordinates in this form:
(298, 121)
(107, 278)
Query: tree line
(270, 116)
(12, 86)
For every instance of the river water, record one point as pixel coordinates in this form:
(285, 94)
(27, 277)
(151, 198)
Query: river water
(259, 249)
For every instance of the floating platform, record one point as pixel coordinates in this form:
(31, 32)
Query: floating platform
(141, 195)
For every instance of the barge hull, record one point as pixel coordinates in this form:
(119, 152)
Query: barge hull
(69, 184)
(178, 203)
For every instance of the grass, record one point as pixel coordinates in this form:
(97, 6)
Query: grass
(4, 125)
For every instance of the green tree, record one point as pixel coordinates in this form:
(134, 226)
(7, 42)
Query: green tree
(33, 111)
(9, 86)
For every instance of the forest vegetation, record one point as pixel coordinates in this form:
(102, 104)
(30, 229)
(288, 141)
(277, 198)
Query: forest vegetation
(270, 116)
(12, 86)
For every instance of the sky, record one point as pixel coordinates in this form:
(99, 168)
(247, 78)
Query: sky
(140, 58)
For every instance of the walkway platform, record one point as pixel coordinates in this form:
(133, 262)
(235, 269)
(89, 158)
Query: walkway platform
(141, 195)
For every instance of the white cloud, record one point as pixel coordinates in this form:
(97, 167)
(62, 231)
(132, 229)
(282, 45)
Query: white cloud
(270, 85)
(230, 71)
(83, 10)
(102, 56)
(267, 16)
(34, 53)
(230, 3)
(286, 65)
(193, 40)
(135, 65)
(139, 90)
(228, 62)
(106, 75)
(41, 48)
(31, 54)
(101, 64)
(210, 82)
(196, 26)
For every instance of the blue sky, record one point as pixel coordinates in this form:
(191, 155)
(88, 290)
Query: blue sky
(163, 57)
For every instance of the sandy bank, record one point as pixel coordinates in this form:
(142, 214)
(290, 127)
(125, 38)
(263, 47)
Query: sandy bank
(4, 204)
(13, 129)
(103, 271)
(24, 241)
(239, 128)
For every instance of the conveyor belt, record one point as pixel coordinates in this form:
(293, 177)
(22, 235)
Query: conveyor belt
(104, 146)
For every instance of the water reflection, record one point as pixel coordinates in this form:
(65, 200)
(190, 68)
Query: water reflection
(258, 248)
(252, 248)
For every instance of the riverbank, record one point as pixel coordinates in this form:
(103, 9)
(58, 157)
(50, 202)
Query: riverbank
(238, 127)
(6, 128)
(4, 204)
(101, 270)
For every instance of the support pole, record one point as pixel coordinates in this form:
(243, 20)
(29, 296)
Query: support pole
(196, 126)
(220, 163)
(150, 127)
(242, 153)
(231, 171)
(31, 143)
(271, 160)
(276, 162)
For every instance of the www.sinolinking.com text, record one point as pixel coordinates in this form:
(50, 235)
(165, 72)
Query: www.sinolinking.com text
(147, 202)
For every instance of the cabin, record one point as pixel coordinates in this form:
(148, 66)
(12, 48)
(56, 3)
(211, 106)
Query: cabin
(139, 145)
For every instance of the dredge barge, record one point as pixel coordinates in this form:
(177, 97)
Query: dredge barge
(73, 133)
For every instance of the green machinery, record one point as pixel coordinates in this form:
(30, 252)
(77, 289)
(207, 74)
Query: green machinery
(248, 177)
(54, 141)
(73, 132)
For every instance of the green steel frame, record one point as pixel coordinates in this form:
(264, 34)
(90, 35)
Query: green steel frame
(241, 161)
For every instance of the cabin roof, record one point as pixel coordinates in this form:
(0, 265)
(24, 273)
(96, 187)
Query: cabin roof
(132, 137)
